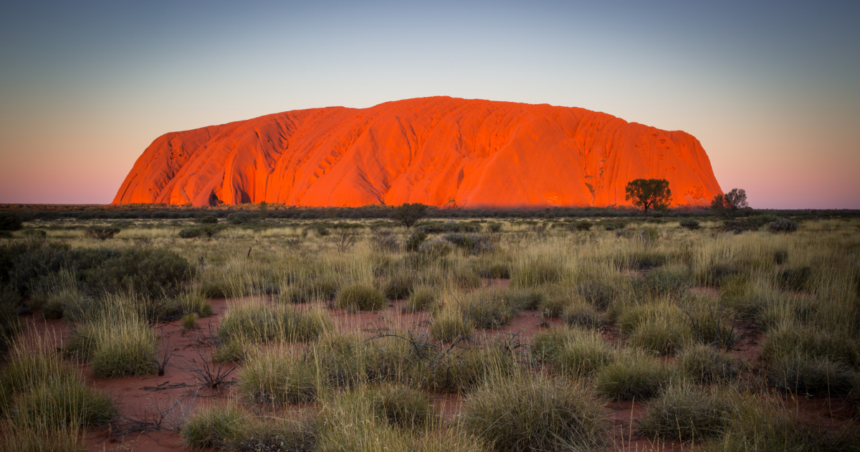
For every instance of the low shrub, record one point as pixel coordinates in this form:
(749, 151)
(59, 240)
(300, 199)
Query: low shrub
(690, 224)
(470, 243)
(756, 222)
(398, 286)
(583, 225)
(148, 273)
(705, 365)
(632, 375)
(435, 249)
(243, 217)
(385, 241)
(100, 232)
(10, 222)
(780, 256)
(684, 413)
(794, 279)
(535, 414)
(715, 274)
(9, 324)
(415, 240)
(641, 260)
(360, 297)
(402, 406)
(783, 226)
(207, 231)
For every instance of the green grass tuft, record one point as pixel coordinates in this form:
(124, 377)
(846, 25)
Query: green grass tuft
(360, 297)
(524, 413)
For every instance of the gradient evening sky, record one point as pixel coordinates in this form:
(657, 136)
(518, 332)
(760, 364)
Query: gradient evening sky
(771, 89)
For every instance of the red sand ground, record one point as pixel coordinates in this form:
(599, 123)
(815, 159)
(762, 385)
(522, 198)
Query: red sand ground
(438, 151)
(141, 398)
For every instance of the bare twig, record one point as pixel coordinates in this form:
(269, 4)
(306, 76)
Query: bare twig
(210, 374)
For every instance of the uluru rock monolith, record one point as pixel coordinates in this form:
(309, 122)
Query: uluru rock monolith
(439, 151)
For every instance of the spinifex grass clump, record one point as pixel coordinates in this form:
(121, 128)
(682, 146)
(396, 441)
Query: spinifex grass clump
(703, 364)
(398, 286)
(583, 315)
(45, 403)
(189, 322)
(525, 299)
(276, 435)
(349, 422)
(460, 371)
(804, 374)
(659, 326)
(402, 406)
(310, 288)
(215, 426)
(115, 338)
(538, 272)
(423, 298)
(685, 413)
(278, 378)
(633, 374)
(486, 308)
(450, 324)
(574, 352)
(361, 297)
(257, 322)
(764, 424)
(526, 413)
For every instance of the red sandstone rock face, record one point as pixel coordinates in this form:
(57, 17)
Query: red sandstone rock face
(437, 151)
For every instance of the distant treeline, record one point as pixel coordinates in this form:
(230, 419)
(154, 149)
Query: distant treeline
(30, 212)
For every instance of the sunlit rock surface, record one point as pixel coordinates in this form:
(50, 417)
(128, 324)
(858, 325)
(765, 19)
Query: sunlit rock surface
(438, 151)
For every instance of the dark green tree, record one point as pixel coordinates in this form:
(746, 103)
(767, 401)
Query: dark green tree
(649, 194)
(409, 214)
(727, 205)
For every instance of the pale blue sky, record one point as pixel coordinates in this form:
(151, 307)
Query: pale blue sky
(771, 89)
